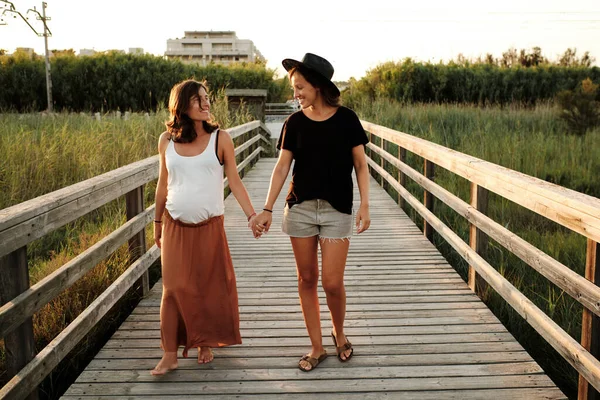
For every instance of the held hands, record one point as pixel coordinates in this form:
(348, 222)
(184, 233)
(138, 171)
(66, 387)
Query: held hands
(251, 224)
(261, 223)
(363, 219)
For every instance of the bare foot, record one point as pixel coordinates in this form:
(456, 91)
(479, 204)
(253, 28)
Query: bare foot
(167, 363)
(205, 355)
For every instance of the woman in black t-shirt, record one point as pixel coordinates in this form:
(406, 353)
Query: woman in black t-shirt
(326, 141)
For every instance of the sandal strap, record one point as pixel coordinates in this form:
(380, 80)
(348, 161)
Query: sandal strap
(311, 360)
(346, 346)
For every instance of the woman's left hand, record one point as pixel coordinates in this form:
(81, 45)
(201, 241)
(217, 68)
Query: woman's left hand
(363, 219)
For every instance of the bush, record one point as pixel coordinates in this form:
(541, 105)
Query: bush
(580, 108)
(468, 83)
(113, 81)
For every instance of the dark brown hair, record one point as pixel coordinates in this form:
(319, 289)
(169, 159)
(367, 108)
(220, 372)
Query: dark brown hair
(331, 97)
(180, 126)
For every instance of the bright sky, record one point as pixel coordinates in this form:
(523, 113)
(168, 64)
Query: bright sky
(354, 35)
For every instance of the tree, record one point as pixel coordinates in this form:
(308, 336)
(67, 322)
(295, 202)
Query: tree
(579, 108)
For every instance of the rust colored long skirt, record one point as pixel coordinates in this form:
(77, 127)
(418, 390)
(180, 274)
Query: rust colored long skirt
(199, 304)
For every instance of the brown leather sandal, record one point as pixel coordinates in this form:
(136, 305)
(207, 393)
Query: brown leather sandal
(341, 349)
(312, 361)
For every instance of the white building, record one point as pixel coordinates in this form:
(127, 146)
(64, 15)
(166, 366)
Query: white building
(86, 52)
(220, 47)
(136, 50)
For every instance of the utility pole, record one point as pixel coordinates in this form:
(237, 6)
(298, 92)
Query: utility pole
(46, 34)
(40, 17)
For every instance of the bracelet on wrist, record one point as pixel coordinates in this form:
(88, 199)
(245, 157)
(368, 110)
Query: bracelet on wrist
(267, 210)
(251, 215)
(156, 221)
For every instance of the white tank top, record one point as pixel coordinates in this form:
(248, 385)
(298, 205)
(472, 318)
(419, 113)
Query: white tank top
(195, 184)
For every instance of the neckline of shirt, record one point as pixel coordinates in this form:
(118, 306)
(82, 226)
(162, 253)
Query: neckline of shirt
(325, 120)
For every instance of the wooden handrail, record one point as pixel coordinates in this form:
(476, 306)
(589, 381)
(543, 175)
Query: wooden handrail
(574, 284)
(25, 222)
(576, 211)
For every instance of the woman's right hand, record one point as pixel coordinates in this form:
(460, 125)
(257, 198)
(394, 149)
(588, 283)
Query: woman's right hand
(263, 221)
(157, 234)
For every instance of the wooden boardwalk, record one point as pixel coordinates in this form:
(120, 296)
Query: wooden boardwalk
(418, 331)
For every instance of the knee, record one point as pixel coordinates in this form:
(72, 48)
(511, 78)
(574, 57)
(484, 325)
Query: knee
(308, 278)
(333, 287)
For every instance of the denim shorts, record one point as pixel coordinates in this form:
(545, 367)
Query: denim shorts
(316, 218)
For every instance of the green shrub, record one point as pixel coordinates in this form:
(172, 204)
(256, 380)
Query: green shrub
(580, 108)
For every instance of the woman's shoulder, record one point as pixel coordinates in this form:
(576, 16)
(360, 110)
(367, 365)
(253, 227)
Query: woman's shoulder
(163, 141)
(165, 136)
(295, 117)
(346, 112)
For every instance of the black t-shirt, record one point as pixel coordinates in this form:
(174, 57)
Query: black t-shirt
(323, 157)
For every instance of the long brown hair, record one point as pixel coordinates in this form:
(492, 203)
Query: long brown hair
(180, 126)
(331, 97)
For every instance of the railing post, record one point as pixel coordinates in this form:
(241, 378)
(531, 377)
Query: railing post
(134, 204)
(401, 176)
(382, 164)
(478, 239)
(20, 343)
(590, 326)
(428, 170)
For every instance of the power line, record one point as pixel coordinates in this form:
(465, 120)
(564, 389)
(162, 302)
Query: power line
(10, 9)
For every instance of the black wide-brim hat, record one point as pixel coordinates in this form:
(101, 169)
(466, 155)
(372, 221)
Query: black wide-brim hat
(317, 64)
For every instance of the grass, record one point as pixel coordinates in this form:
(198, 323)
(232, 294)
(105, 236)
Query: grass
(46, 153)
(532, 141)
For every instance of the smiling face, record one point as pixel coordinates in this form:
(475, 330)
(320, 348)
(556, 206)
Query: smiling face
(199, 106)
(304, 92)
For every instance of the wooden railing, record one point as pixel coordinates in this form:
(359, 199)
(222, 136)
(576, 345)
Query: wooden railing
(31, 220)
(280, 108)
(578, 212)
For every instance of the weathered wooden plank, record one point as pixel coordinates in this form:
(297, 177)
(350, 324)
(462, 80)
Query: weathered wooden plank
(546, 393)
(275, 361)
(314, 385)
(355, 331)
(365, 310)
(366, 350)
(372, 323)
(326, 371)
(471, 311)
(265, 302)
(355, 295)
(241, 129)
(356, 340)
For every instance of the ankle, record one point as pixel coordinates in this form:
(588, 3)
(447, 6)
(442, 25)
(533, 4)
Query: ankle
(338, 333)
